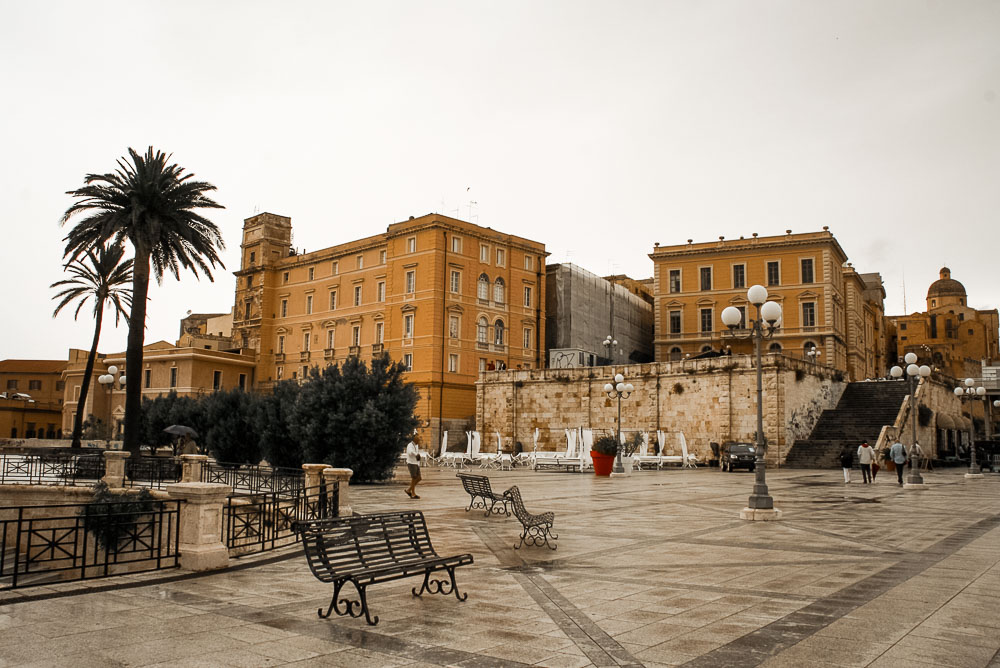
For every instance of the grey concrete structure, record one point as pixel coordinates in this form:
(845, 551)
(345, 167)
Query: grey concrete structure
(582, 309)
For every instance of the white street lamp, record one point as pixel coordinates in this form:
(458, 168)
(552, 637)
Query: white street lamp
(764, 326)
(913, 373)
(967, 393)
(620, 390)
(108, 381)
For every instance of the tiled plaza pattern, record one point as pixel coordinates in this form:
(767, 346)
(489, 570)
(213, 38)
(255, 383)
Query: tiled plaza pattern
(652, 570)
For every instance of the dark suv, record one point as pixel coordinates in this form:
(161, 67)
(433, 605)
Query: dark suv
(734, 456)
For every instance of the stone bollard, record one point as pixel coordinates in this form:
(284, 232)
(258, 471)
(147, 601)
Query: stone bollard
(114, 467)
(314, 475)
(199, 534)
(191, 467)
(339, 479)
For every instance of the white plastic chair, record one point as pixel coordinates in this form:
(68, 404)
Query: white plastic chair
(689, 461)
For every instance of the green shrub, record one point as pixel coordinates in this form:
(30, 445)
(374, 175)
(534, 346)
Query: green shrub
(605, 445)
(112, 516)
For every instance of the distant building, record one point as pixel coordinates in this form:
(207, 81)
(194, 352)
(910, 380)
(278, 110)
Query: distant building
(208, 331)
(31, 398)
(583, 309)
(447, 298)
(949, 335)
(826, 305)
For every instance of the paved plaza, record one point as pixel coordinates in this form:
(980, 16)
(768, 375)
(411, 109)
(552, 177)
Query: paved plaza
(652, 570)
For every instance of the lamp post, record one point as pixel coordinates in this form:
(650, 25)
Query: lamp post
(108, 381)
(814, 354)
(761, 505)
(620, 390)
(912, 373)
(609, 348)
(967, 393)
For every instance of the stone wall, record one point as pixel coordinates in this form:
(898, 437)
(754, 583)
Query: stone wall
(708, 400)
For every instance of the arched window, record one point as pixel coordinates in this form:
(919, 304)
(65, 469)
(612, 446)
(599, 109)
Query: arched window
(483, 287)
(498, 334)
(675, 354)
(498, 291)
(481, 329)
(706, 349)
(774, 348)
(807, 346)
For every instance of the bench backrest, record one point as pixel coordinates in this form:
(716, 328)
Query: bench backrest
(477, 485)
(342, 544)
(516, 504)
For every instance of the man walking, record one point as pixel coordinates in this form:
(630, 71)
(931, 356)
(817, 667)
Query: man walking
(866, 455)
(898, 455)
(413, 465)
(846, 462)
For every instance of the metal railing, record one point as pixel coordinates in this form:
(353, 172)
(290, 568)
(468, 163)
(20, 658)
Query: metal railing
(153, 472)
(263, 522)
(58, 469)
(64, 542)
(254, 479)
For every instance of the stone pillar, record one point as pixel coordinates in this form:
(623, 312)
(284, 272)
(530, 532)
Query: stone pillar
(191, 467)
(314, 474)
(339, 477)
(200, 530)
(114, 467)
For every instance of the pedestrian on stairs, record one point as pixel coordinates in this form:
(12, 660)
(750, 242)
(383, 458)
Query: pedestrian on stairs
(866, 455)
(846, 462)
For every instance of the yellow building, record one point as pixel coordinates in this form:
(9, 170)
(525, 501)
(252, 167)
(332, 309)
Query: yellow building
(949, 335)
(447, 298)
(826, 305)
(188, 371)
(31, 397)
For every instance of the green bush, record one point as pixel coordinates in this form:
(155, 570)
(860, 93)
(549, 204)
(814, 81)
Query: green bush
(606, 445)
(229, 434)
(273, 425)
(112, 516)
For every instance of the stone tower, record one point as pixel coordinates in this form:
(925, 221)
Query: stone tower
(267, 239)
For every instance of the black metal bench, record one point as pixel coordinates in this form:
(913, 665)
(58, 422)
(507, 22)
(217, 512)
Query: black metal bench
(367, 549)
(482, 495)
(537, 528)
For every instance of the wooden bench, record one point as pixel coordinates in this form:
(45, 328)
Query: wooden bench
(482, 495)
(366, 549)
(536, 528)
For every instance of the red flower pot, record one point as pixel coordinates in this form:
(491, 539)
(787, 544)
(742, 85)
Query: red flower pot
(602, 463)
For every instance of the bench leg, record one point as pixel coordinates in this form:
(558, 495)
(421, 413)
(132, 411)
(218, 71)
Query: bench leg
(537, 535)
(440, 586)
(475, 503)
(351, 608)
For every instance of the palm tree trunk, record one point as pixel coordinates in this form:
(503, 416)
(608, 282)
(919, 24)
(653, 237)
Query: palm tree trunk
(133, 356)
(81, 403)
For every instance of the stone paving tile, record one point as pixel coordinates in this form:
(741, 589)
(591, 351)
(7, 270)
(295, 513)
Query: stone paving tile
(852, 576)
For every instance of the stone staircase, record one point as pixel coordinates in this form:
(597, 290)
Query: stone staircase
(862, 411)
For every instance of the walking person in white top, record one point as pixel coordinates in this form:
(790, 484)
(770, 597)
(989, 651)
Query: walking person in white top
(866, 455)
(898, 454)
(413, 464)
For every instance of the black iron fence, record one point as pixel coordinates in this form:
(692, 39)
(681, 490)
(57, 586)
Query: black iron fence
(152, 472)
(254, 479)
(53, 469)
(64, 542)
(262, 522)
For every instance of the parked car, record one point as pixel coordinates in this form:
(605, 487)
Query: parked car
(734, 456)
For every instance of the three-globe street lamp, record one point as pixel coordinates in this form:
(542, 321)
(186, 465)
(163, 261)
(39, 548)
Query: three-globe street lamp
(764, 326)
(968, 393)
(912, 373)
(108, 381)
(609, 348)
(620, 390)
(814, 354)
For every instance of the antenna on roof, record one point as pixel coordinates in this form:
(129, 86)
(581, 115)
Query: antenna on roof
(471, 202)
(904, 292)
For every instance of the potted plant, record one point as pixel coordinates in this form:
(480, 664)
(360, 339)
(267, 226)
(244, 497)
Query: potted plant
(603, 453)
(629, 448)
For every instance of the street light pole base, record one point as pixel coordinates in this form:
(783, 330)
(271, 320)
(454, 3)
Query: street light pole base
(914, 485)
(974, 476)
(760, 514)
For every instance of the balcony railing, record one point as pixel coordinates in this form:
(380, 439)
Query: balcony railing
(377, 349)
(279, 357)
(482, 345)
(328, 353)
(304, 356)
(499, 347)
(354, 351)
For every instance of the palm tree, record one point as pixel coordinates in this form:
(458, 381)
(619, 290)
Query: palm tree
(151, 204)
(106, 279)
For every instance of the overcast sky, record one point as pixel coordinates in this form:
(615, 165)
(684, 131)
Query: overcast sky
(597, 128)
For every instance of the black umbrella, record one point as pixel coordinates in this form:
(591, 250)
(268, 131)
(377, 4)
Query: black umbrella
(181, 430)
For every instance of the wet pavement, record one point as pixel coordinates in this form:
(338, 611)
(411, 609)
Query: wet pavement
(655, 569)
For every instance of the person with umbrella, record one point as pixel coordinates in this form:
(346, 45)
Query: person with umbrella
(185, 443)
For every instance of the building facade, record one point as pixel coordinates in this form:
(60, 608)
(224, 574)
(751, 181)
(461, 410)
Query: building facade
(827, 306)
(950, 335)
(31, 398)
(447, 298)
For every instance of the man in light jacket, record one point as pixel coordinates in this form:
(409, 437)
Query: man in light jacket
(866, 455)
(898, 455)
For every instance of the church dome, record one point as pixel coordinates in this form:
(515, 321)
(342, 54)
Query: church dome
(946, 286)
